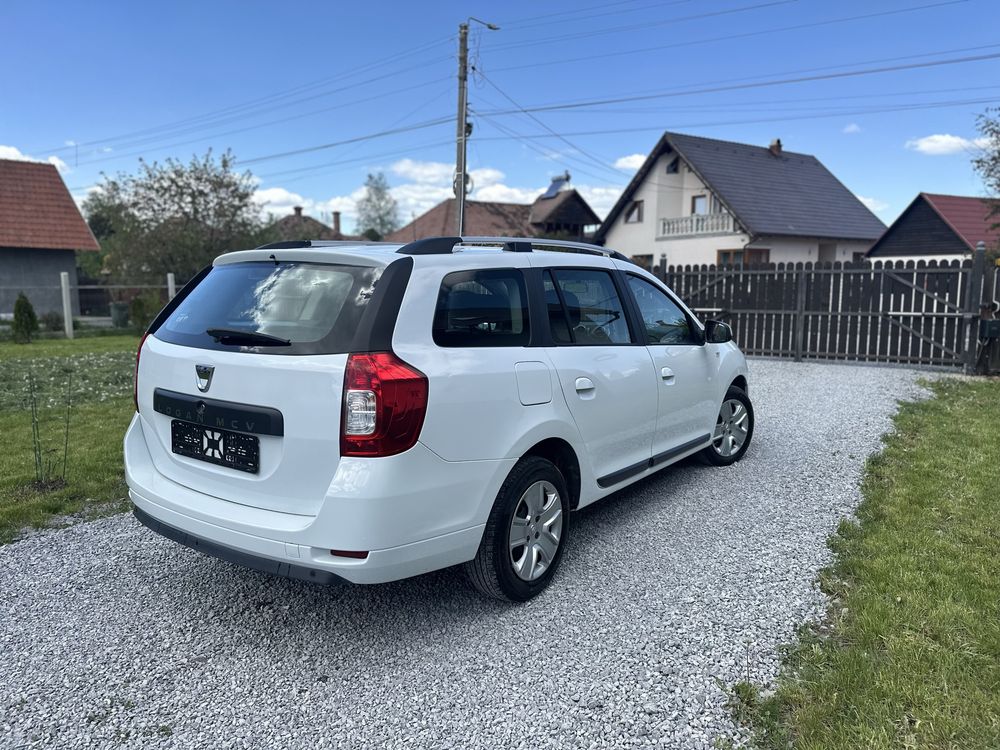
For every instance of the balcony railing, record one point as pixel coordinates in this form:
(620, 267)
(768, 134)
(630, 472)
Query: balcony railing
(720, 223)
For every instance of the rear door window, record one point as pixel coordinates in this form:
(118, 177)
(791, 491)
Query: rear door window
(584, 308)
(482, 308)
(315, 307)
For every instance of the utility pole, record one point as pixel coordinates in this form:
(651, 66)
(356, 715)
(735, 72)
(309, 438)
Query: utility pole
(463, 127)
(463, 118)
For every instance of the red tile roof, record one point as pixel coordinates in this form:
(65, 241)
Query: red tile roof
(968, 216)
(481, 218)
(37, 211)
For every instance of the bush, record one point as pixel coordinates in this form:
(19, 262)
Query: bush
(52, 321)
(25, 320)
(143, 308)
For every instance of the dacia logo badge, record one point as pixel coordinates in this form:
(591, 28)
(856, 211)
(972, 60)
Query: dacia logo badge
(204, 373)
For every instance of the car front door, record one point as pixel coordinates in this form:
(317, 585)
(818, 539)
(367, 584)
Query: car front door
(606, 377)
(685, 369)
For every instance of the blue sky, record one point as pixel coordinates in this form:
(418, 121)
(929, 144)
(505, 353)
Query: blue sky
(124, 80)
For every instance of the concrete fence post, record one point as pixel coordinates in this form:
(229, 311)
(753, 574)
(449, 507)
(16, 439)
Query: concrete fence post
(67, 304)
(171, 286)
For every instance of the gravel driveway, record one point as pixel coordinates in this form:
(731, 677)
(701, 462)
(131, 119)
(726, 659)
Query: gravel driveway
(112, 636)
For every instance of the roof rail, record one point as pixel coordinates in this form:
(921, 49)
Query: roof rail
(446, 245)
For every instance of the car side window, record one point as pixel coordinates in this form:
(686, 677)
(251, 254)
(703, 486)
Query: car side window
(663, 321)
(482, 308)
(584, 308)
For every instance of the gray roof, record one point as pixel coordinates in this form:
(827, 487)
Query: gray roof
(786, 195)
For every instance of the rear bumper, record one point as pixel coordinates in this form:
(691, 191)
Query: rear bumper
(246, 559)
(373, 508)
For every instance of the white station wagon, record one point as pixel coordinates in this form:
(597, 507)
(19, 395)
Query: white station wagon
(368, 412)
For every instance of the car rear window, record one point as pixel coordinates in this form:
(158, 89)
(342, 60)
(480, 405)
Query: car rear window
(315, 306)
(482, 308)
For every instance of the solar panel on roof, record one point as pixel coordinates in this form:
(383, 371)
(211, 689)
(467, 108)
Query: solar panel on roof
(558, 183)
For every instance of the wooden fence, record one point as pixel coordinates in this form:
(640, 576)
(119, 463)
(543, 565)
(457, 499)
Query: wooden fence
(912, 313)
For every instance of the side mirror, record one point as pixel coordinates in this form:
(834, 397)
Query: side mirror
(717, 332)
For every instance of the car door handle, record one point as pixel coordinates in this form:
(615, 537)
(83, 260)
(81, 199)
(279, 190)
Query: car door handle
(584, 385)
(667, 374)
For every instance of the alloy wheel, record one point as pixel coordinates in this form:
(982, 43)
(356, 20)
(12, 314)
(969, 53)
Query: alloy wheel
(535, 530)
(731, 428)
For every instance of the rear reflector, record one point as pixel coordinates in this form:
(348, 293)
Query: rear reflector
(349, 553)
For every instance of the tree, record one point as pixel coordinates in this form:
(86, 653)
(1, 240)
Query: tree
(25, 322)
(987, 163)
(173, 217)
(377, 213)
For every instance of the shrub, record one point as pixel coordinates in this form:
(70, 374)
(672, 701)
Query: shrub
(143, 308)
(25, 320)
(52, 321)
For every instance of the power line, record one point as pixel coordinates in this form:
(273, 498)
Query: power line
(119, 155)
(729, 37)
(602, 163)
(720, 123)
(357, 139)
(758, 84)
(271, 98)
(548, 40)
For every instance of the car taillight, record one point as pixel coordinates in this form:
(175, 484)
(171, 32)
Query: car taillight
(384, 405)
(135, 379)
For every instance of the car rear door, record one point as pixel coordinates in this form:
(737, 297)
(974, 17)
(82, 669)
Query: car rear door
(606, 377)
(685, 370)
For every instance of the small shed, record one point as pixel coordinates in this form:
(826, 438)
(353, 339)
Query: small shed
(940, 227)
(41, 230)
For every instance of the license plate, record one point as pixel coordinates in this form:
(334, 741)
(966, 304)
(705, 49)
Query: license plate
(222, 447)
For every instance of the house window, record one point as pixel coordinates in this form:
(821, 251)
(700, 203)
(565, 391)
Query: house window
(699, 204)
(674, 166)
(633, 214)
(736, 258)
(643, 261)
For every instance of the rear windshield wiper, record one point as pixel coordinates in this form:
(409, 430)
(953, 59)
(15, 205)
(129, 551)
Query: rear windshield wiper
(247, 338)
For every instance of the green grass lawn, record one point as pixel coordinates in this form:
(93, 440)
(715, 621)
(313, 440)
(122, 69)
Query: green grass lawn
(910, 657)
(100, 369)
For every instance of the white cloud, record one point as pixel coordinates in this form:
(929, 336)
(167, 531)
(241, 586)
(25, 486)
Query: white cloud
(944, 144)
(500, 193)
(873, 204)
(851, 128)
(632, 161)
(14, 153)
(279, 201)
(600, 198)
(424, 172)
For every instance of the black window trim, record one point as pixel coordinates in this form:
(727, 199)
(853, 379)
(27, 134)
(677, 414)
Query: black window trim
(693, 321)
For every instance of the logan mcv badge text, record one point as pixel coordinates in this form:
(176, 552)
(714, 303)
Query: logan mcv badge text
(204, 373)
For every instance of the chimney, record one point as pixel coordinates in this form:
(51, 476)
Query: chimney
(336, 222)
(775, 147)
(298, 211)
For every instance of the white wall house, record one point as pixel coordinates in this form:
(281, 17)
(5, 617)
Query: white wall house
(703, 201)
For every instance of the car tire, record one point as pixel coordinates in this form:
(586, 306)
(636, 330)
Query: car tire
(733, 429)
(532, 501)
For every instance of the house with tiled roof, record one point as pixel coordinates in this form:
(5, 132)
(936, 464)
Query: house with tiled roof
(559, 212)
(704, 201)
(299, 226)
(941, 228)
(41, 230)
